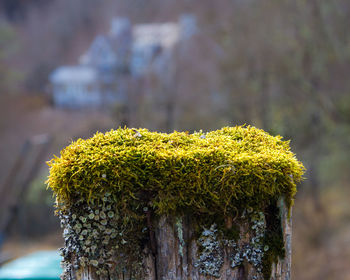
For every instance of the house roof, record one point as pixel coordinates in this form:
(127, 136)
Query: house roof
(74, 74)
(100, 53)
(149, 41)
(164, 34)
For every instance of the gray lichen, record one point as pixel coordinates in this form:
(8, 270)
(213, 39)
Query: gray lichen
(253, 251)
(94, 237)
(210, 259)
(211, 247)
(179, 230)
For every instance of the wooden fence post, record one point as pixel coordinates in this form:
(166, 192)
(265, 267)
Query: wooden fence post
(227, 216)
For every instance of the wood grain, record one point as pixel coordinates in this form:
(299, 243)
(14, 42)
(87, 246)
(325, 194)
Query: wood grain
(176, 258)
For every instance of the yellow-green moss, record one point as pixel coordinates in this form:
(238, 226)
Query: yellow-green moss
(211, 178)
(207, 173)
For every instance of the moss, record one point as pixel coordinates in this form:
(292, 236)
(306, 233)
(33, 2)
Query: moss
(175, 171)
(212, 177)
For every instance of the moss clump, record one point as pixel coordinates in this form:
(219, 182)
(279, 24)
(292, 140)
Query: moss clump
(210, 177)
(206, 173)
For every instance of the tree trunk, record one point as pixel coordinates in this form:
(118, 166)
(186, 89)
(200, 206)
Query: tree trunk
(177, 255)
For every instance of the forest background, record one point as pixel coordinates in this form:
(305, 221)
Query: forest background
(282, 66)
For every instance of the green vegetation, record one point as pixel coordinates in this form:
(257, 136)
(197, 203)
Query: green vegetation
(220, 179)
(212, 172)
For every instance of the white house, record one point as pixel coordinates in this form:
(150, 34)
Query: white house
(127, 52)
(75, 86)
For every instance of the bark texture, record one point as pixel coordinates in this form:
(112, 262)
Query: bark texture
(176, 256)
(282, 270)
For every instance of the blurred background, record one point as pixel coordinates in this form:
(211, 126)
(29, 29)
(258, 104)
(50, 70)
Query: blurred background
(71, 68)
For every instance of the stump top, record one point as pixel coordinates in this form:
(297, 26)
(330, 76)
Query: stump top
(178, 170)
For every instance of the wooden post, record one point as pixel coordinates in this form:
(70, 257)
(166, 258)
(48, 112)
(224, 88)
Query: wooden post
(177, 251)
(226, 218)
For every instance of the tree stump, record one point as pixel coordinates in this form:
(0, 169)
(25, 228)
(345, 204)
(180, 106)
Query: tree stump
(141, 205)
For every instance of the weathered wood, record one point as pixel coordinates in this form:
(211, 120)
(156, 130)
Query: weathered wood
(177, 254)
(136, 204)
(282, 269)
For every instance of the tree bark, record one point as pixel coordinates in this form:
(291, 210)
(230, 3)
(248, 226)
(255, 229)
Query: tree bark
(177, 252)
